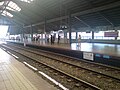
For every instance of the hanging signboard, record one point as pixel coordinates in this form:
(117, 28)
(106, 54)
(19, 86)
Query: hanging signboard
(110, 34)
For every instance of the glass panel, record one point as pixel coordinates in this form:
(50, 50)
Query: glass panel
(28, 1)
(12, 6)
(1, 3)
(5, 13)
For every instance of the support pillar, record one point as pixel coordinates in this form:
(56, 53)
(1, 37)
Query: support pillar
(69, 23)
(45, 30)
(76, 36)
(116, 36)
(31, 32)
(92, 35)
(42, 38)
(22, 35)
(65, 37)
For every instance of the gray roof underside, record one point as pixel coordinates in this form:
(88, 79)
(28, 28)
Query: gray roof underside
(85, 14)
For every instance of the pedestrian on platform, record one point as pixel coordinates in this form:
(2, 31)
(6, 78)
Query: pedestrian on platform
(51, 39)
(58, 38)
(79, 41)
(48, 39)
(25, 40)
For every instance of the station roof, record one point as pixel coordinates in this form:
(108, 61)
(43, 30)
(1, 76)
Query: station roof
(85, 13)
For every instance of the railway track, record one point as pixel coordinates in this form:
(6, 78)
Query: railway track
(100, 68)
(92, 77)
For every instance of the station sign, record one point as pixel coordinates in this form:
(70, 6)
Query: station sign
(88, 56)
(110, 34)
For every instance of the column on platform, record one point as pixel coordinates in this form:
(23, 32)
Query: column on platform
(31, 32)
(92, 35)
(65, 37)
(45, 24)
(69, 29)
(22, 34)
(117, 34)
(76, 36)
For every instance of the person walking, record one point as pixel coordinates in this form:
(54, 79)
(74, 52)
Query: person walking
(58, 39)
(79, 41)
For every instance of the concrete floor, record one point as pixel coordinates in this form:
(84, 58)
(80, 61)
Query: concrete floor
(109, 49)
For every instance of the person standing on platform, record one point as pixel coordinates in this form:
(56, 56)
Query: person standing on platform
(25, 40)
(58, 38)
(51, 39)
(48, 39)
(79, 41)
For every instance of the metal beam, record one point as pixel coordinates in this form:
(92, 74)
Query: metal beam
(48, 21)
(4, 6)
(11, 21)
(105, 7)
(106, 19)
(82, 21)
(109, 6)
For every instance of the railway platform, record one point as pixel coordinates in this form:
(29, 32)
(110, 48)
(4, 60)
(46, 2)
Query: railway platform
(109, 49)
(108, 54)
(48, 59)
(14, 75)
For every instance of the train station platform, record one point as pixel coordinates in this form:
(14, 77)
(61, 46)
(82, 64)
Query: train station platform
(108, 54)
(109, 49)
(14, 75)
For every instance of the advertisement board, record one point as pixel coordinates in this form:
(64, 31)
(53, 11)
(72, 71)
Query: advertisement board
(110, 34)
(88, 56)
